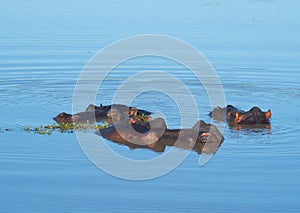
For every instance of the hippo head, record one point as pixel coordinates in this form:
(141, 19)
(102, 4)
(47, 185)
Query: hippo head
(253, 116)
(63, 118)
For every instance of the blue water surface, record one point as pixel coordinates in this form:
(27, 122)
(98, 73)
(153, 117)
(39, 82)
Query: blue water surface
(254, 47)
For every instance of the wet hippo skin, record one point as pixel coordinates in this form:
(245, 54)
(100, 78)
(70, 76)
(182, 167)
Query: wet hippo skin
(234, 116)
(154, 135)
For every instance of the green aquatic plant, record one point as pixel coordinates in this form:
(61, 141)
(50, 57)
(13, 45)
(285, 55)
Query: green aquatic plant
(38, 130)
(64, 128)
(143, 117)
(71, 127)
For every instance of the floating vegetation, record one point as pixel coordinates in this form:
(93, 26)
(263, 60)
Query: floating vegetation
(143, 117)
(65, 128)
(71, 127)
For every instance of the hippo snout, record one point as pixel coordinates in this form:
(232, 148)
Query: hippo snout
(63, 118)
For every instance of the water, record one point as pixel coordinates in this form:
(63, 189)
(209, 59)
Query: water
(254, 48)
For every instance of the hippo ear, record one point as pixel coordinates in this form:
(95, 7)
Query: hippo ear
(268, 114)
(229, 114)
(133, 111)
(238, 117)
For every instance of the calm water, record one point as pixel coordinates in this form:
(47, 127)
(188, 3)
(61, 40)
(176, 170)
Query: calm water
(253, 45)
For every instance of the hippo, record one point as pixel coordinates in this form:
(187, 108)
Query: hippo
(119, 107)
(235, 116)
(81, 117)
(111, 113)
(156, 136)
(252, 117)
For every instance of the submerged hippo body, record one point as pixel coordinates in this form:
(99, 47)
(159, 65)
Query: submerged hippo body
(234, 116)
(155, 135)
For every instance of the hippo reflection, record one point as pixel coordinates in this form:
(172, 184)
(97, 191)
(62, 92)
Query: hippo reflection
(254, 117)
(154, 135)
